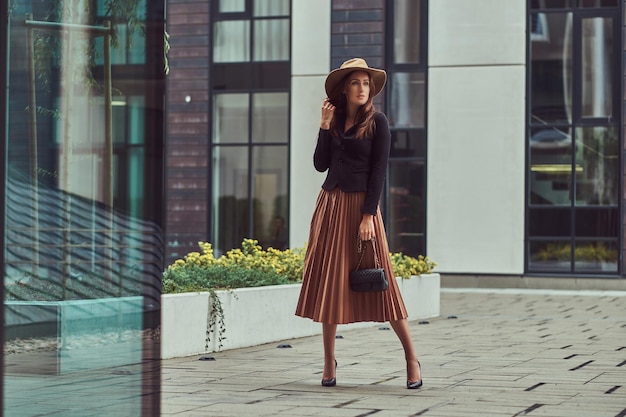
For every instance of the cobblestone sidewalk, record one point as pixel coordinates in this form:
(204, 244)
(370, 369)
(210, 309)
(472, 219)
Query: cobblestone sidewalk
(490, 353)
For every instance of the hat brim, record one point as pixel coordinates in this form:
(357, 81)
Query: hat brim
(336, 76)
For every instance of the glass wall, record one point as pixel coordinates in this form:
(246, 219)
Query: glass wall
(82, 243)
(250, 75)
(406, 103)
(573, 221)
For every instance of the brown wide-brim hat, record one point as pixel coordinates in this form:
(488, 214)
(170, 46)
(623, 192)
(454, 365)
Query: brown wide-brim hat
(355, 64)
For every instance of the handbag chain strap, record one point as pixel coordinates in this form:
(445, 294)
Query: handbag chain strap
(361, 250)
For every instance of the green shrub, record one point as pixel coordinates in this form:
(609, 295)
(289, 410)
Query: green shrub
(251, 266)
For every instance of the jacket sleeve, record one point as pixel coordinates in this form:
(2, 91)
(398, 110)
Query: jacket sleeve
(379, 157)
(321, 157)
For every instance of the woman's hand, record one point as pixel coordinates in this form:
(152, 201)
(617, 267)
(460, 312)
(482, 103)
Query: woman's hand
(328, 110)
(366, 228)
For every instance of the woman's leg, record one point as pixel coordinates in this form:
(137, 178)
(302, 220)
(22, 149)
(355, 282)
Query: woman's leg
(329, 331)
(401, 327)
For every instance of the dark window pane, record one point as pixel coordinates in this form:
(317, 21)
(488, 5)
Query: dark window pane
(598, 3)
(269, 195)
(596, 257)
(550, 178)
(406, 42)
(597, 157)
(550, 222)
(597, 67)
(550, 4)
(597, 222)
(230, 197)
(406, 207)
(407, 104)
(549, 256)
(408, 143)
(550, 68)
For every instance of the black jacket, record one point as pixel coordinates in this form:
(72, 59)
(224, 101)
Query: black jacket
(355, 164)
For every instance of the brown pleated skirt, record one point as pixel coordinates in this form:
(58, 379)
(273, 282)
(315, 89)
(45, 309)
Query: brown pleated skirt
(332, 253)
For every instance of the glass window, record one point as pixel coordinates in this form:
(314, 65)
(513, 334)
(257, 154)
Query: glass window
(407, 100)
(269, 195)
(597, 67)
(574, 144)
(271, 8)
(231, 41)
(550, 178)
(230, 118)
(406, 40)
(551, 70)
(271, 40)
(230, 6)
(82, 241)
(597, 155)
(405, 207)
(270, 118)
(230, 190)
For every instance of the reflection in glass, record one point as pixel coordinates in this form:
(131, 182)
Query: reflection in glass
(83, 243)
(551, 166)
(597, 221)
(407, 102)
(271, 40)
(597, 153)
(230, 197)
(599, 256)
(270, 118)
(406, 42)
(551, 68)
(230, 6)
(406, 207)
(271, 8)
(230, 118)
(597, 64)
(269, 195)
(408, 143)
(231, 42)
(550, 256)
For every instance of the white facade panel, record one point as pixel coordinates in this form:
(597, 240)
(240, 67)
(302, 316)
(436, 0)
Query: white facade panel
(477, 32)
(310, 66)
(310, 37)
(475, 202)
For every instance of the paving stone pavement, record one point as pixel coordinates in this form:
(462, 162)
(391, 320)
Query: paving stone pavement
(507, 353)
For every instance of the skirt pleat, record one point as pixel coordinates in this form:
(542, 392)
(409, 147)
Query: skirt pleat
(330, 256)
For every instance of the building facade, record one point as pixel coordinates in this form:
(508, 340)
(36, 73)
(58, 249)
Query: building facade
(506, 118)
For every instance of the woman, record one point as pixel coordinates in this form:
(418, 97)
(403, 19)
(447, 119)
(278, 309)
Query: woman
(353, 145)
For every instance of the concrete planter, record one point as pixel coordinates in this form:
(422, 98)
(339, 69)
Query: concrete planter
(254, 316)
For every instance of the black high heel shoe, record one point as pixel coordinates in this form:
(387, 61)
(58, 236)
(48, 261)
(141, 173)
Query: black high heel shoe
(415, 384)
(330, 382)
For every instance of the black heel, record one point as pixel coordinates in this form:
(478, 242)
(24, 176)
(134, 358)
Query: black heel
(415, 384)
(330, 382)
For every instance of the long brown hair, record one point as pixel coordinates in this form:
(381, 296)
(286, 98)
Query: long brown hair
(364, 115)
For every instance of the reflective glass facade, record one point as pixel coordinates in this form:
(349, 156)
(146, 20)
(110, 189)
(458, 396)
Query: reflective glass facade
(82, 188)
(574, 191)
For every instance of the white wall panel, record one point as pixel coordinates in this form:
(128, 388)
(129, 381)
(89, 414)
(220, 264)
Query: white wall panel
(475, 200)
(476, 32)
(310, 65)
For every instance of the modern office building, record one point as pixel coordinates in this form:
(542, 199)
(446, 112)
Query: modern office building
(507, 162)
(82, 109)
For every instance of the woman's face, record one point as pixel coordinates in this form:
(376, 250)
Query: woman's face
(357, 88)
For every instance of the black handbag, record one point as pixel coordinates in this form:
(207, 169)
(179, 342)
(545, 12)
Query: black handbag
(371, 279)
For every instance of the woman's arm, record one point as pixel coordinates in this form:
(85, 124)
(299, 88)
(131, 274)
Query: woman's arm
(379, 157)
